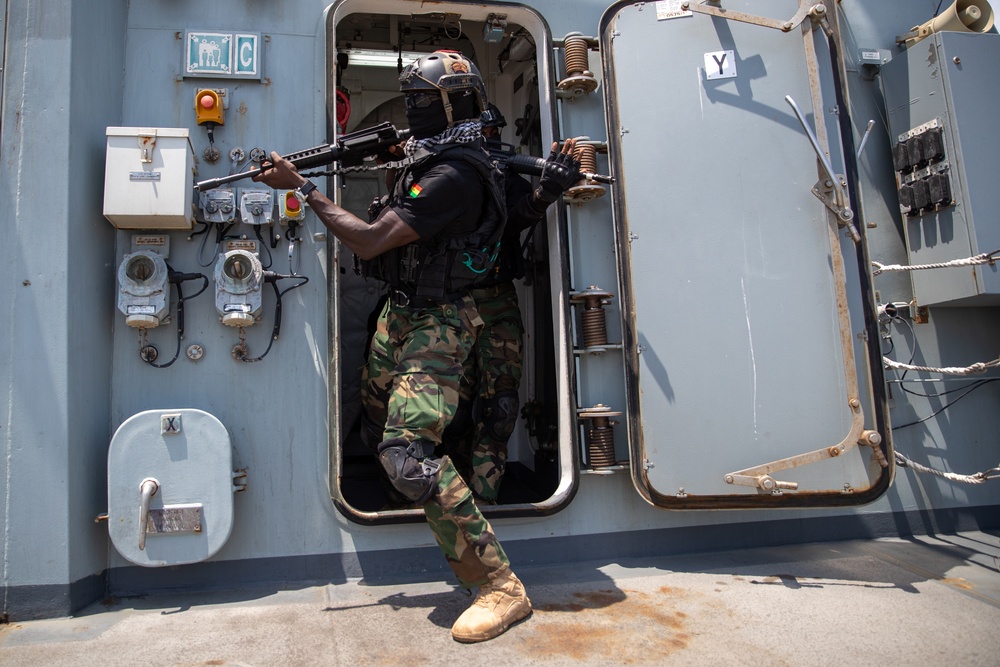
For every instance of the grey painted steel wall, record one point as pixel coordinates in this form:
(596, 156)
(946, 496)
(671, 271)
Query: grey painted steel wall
(960, 440)
(57, 251)
(70, 368)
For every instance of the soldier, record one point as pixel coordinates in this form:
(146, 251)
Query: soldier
(492, 375)
(437, 236)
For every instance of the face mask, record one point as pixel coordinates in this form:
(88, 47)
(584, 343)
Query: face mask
(427, 121)
(463, 106)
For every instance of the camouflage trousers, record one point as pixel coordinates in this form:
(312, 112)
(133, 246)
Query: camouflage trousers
(411, 385)
(491, 382)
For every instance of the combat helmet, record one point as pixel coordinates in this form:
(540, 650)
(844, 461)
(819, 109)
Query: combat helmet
(447, 72)
(492, 117)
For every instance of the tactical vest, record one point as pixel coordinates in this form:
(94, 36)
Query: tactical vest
(438, 268)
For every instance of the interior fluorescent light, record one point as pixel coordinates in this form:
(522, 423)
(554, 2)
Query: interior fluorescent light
(376, 58)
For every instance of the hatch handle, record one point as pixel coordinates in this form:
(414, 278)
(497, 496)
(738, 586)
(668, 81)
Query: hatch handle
(148, 488)
(834, 182)
(864, 139)
(827, 167)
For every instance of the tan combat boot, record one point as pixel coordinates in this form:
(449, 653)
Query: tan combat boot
(501, 603)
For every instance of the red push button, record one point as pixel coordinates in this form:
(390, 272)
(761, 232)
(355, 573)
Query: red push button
(291, 207)
(208, 107)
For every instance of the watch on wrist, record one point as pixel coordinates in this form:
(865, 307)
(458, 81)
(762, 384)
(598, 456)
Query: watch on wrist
(306, 188)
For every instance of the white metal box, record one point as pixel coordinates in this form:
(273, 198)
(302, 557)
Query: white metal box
(149, 178)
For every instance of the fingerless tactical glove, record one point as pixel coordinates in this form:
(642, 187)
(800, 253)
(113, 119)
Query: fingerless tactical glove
(561, 172)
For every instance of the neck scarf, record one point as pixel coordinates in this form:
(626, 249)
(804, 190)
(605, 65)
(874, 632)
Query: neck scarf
(464, 133)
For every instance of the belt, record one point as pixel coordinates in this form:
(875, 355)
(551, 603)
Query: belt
(400, 299)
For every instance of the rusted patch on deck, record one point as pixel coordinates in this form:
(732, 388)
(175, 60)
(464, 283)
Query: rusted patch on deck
(622, 626)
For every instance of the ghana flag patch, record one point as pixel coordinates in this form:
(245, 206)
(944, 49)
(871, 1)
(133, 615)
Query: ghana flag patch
(415, 190)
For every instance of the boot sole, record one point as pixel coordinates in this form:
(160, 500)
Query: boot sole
(472, 639)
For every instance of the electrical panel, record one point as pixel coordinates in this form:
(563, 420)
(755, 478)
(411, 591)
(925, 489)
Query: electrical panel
(948, 196)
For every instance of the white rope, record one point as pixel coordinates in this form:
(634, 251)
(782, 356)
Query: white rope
(977, 368)
(977, 478)
(984, 258)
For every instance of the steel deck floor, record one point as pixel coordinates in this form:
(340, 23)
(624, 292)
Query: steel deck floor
(927, 599)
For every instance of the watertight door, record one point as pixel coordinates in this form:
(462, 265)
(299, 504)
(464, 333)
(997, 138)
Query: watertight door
(170, 487)
(743, 303)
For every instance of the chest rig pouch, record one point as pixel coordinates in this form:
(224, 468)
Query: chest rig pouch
(439, 268)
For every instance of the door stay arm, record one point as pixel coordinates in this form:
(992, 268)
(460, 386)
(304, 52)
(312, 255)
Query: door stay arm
(805, 9)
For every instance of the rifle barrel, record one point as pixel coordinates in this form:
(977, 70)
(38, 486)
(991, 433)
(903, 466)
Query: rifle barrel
(211, 183)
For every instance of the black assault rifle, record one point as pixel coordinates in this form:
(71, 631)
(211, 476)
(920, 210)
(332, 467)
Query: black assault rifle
(350, 150)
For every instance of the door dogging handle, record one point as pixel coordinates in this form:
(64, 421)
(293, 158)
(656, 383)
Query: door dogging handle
(148, 487)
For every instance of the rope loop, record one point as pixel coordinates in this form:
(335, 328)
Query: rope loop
(977, 368)
(983, 258)
(976, 478)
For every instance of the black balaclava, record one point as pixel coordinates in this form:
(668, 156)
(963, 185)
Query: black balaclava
(428, 121)
(463, 106)
(431, 120)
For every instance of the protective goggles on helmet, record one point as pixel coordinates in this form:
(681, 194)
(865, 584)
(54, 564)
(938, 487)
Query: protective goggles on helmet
(420, 100)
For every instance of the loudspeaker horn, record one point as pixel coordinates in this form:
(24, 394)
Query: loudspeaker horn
(962, 16)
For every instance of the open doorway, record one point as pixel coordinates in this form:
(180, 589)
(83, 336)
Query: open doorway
(366, 52)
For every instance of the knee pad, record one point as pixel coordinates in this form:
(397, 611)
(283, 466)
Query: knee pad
(372, 432)
(410, 467)
(501, 415)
